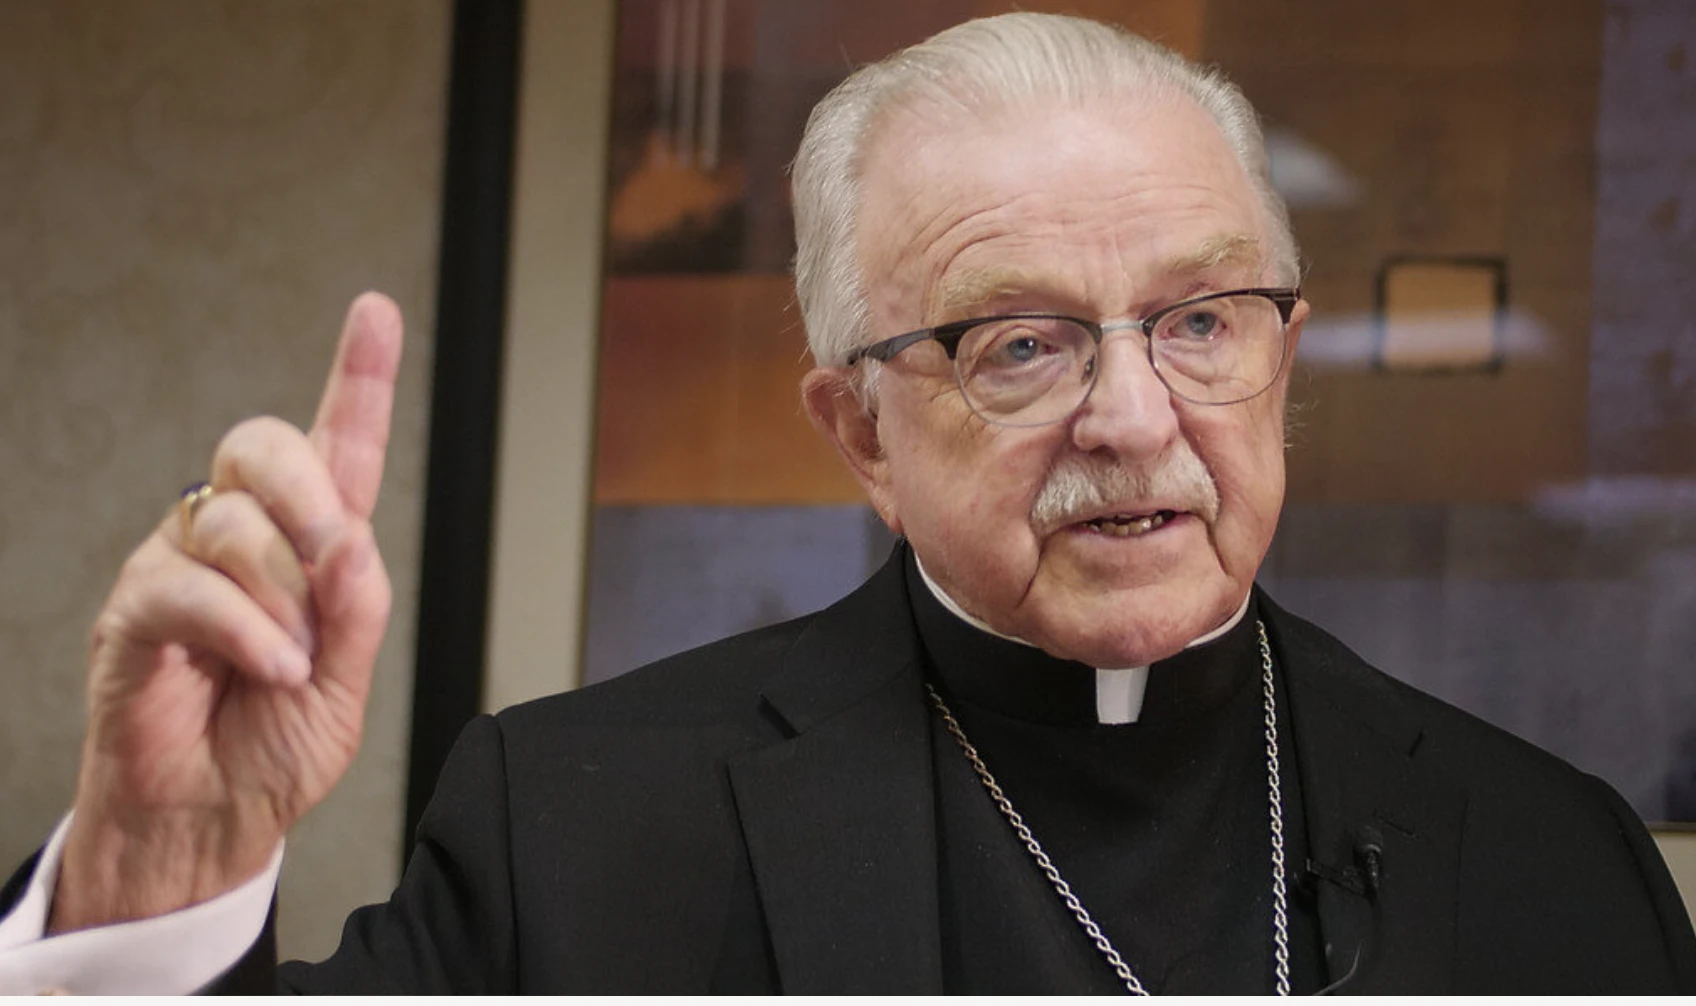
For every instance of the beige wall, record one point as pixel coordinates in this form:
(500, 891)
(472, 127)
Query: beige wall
(190, 193)
(1679, 848)
(539, 552)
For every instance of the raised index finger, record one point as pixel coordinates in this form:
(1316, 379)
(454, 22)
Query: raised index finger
(351, 431)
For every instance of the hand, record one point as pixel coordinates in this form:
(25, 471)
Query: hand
(229, 668)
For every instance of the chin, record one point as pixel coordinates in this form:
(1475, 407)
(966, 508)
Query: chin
(1131, 631)
(1114, 646)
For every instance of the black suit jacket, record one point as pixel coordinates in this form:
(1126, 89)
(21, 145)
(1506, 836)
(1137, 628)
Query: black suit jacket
(758, 815)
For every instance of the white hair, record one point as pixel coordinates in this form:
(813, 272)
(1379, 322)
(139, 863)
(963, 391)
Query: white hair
(977, 67)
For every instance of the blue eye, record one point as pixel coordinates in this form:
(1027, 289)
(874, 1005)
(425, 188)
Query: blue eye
(1015, 345)
(1198, 325)
(1021, 350)
(1009, 366)
(1020, 347)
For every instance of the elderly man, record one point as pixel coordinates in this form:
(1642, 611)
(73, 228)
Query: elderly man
(1059, 743)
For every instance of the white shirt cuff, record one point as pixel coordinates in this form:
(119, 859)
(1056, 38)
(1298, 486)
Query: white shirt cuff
(173, 954)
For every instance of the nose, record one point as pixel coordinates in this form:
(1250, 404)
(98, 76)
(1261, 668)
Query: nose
(1130, 411)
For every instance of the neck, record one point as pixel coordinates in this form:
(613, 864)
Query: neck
(1119, 691)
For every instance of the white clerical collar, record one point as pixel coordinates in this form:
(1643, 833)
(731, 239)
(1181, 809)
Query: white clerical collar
(1118, 691)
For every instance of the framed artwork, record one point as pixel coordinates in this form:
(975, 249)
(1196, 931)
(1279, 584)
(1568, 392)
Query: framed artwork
(1439, 314)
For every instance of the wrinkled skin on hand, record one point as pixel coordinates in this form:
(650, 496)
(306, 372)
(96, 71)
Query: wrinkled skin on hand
(229, 670)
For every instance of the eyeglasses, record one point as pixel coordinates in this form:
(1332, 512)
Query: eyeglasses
(1037, 369)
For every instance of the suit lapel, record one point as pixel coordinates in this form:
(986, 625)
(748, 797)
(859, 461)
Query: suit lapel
(839, 818)
(1383, 832)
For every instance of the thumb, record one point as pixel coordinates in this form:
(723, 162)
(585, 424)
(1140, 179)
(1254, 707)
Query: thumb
(352, 593)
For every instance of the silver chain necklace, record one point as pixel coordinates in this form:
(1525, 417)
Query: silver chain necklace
(1275, 802)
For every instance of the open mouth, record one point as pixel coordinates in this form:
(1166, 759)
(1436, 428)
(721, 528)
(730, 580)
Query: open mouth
(1130, 525)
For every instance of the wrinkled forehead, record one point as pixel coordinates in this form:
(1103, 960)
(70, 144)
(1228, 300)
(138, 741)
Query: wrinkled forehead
(1228, 253)
(1150, 177)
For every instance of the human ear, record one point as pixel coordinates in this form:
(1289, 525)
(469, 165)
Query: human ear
(844, 419)
(1288, 414)
(1292, 329)
(1298, 318)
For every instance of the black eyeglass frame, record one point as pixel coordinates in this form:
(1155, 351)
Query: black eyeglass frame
(1284, 298)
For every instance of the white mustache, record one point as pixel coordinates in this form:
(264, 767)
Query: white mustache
(1081, 486)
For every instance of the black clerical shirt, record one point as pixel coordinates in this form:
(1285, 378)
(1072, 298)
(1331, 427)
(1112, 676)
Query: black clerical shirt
(1160, 826)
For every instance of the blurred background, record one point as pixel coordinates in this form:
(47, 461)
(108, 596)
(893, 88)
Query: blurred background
(599, 455)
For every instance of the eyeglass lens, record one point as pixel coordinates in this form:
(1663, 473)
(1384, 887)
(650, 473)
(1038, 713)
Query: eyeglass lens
(1032, 371)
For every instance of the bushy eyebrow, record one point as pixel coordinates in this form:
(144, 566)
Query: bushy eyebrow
(976, 287)
(1220, 250)
(973, 288)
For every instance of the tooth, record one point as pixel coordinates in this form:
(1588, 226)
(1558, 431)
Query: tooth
(1125, 526)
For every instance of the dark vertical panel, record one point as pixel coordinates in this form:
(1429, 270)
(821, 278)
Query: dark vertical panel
(465, 396)
(667, 578)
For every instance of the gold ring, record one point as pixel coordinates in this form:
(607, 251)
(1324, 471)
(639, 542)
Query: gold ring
(188, 504)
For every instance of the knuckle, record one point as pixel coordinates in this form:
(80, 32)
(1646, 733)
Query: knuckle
(222, 524)
(249, 443)
(136, 607)
(112, 626)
